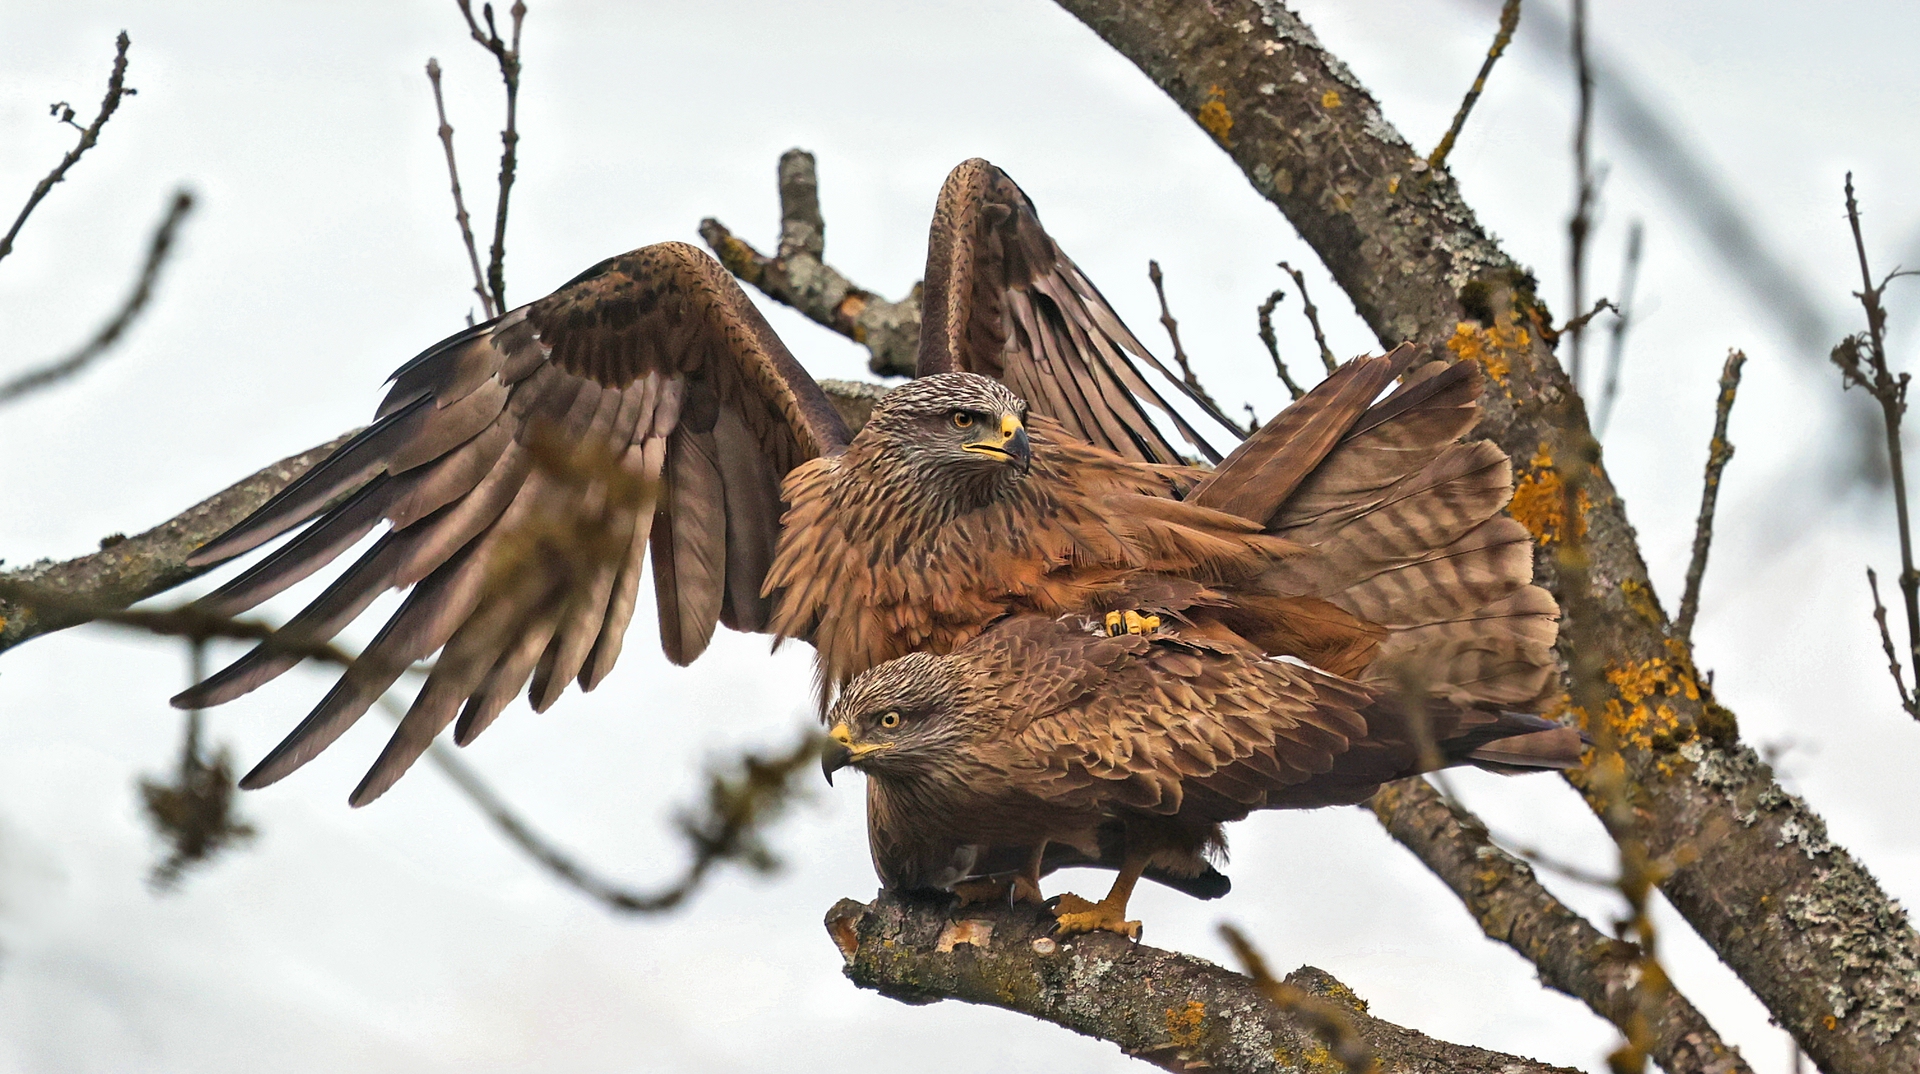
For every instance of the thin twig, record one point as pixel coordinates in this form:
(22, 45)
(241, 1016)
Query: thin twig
(1719, 451)
(157, 250)
(1907, 701)
(1891, 393)
(1581, 222)
(1313, 316)
(508, 54)
(1509, 21)
(1273, 344)
(1575, 326)
(195, 813)
(1326, 1021)
(1617, 336)
(738, 807)
(1204, 397)
(459, 203)
(116, 89)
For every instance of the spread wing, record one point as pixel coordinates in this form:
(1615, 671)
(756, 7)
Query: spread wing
(525, 467)
(1002, 299)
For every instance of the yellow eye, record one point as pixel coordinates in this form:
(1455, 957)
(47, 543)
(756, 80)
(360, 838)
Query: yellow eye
(890, 720)
(962, 420)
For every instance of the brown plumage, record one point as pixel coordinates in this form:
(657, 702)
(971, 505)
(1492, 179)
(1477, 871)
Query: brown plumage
(1045, 742)
(1402, 600)
(529, 468)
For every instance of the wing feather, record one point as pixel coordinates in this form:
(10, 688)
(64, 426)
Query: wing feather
(519, 465)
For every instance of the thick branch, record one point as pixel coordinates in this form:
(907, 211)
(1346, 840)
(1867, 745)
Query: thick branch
(128, 569)
(1807, 928)
(799, 278)
(1511, 906)
(1173, 1010)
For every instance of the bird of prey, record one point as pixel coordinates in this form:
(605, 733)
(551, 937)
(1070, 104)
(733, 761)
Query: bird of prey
(1401, 634)
(529, 467)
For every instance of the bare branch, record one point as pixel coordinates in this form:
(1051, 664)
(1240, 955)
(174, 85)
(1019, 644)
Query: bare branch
(1907, 700)
(508, 55)
(459, 203)
(128, 569)
(1509, 21)
(1511, 906)
(1581, 222)
(1196, 390)
(1870, 348)
(117, 88)
(1328, 1021)
(1719, 452)
(1172, 1010)
(157, 250)
(738, 807)
(1313, 316)
(799, 278)
(1622, 321)
(1273, 345)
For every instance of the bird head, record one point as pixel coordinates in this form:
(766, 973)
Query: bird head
(953, 429)
(898, 718)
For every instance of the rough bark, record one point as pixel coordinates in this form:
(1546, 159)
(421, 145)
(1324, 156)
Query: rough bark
(1798, 918)
(129, 569)
(1176, 1011)
(799, 277)
(1512, 906)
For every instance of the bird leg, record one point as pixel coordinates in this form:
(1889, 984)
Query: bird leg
(1119, 623)
(1023, 886)
(1074, 915)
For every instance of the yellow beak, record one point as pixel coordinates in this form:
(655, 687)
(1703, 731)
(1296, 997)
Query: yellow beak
(1012, 445)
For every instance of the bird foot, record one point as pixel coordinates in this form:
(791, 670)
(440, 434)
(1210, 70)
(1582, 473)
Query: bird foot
(1119, 623)
(1074, 915)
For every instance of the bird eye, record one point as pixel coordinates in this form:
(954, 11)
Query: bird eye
(889, 720)
(962, 420)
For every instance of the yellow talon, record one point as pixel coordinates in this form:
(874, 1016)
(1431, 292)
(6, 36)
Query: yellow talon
(1119, 623)
(1074, 915)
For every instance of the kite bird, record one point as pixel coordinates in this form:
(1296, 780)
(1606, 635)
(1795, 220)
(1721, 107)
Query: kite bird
(528, 468)
(1414, 641)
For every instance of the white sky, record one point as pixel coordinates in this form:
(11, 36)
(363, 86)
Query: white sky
(407, 936)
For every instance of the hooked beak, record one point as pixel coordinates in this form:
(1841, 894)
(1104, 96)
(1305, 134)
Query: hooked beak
(1010, 445)
(836, 754)
(840, 751)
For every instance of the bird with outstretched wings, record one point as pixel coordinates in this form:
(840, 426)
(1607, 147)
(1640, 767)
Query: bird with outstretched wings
(528, 469)
(1392, 628)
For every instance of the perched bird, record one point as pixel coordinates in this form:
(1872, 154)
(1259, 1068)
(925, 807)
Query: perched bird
(529, 467)
(1049, 734)
(1401, 633)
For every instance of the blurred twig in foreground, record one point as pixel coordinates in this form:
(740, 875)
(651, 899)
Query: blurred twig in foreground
(194, 814)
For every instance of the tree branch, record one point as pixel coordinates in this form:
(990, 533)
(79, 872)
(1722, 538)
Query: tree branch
(799, 278)
(459, 202)
(1509, 22)
(157, 250)
(129, 569)
(1511, 906)
(1834, 960)
(1175, 1011)
(116, 90)
(1267, 337)
(1313, 316)
(1719, 453)
(507, 53)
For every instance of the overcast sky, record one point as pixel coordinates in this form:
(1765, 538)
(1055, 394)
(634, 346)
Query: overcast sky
(407, 936)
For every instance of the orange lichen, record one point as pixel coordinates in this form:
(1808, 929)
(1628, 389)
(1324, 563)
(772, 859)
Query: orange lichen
(1642, 716)
(1330, 99)
(1214, 118)
(1184, 1025)
(1492, 346)
(1540, 500)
